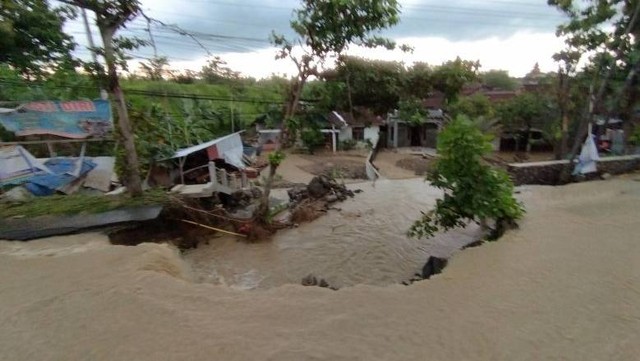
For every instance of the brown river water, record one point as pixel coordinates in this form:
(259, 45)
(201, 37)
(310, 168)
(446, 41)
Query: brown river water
(362, 241)
(564, 286)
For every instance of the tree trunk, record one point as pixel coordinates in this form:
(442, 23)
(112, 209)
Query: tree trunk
(349, 96)
(134, 182)
(564, 140)
(563, 95)
(527, 142)
(263, 209)
(295, 93)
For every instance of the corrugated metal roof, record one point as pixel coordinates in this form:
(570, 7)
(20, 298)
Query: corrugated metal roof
(186, 151)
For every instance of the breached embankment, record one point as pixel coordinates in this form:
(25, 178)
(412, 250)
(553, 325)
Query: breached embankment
(563, 286)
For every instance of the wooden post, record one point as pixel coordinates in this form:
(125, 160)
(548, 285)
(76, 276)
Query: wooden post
(225, 179)
(76, 173)
(212, 173)
(244, 179)
(395, 133)
(333, 138)
(181, 161)
(52, 151)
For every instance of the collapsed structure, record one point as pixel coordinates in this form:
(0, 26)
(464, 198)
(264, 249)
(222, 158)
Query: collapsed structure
(53, 123)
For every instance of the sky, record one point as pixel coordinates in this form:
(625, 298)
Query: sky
(511, 35)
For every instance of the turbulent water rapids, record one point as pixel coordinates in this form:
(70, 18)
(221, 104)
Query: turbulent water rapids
(363, 241)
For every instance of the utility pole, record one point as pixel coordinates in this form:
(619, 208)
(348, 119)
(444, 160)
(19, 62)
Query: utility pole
(92, 45)
(92, 48)
(233, 127)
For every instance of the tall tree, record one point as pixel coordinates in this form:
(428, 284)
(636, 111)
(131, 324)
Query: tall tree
(111, 16)
(418, 81)
(217, 71)
(31, 36)
(156, 68)
(610, 30)
(325, 29)
(450, 77)
(473, 106)
(567, 68)
(375, 84)
(524, 112)
(498, 79)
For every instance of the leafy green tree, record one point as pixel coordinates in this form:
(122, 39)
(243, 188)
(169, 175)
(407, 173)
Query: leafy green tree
(450, 77)
(375, 84)
(275, 159)
(325, 29)
(111, 16)
(412, 111)
(498, 79)
(32, 39)
(329, 93)
(156, 68)
(217, 71)
(608, 32)
(526, 111)
(312, 138)
(418, 81)
(473, 106)
(473, 191)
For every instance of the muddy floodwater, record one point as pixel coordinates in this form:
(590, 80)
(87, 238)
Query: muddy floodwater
(363, 241)
(564, 286)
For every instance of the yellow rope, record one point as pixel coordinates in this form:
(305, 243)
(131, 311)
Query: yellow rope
(213, 228)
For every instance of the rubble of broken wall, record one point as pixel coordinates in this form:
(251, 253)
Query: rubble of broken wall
(548, 173)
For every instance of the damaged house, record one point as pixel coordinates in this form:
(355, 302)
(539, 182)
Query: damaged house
(219, 165)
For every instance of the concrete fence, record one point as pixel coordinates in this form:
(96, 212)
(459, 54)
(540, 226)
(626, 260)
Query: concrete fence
(548, 173)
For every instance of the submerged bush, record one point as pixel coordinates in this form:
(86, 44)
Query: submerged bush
(473, 190)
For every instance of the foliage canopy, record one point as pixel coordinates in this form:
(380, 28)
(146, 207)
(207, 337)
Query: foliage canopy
(473, 191)
(31, 36)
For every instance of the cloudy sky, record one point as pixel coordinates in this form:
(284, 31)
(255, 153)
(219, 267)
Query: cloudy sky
(502, 34)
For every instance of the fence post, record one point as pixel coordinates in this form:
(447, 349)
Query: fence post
(212, 173)
(225, 179)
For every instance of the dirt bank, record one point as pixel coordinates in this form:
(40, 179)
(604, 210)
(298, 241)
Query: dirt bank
(565, 286)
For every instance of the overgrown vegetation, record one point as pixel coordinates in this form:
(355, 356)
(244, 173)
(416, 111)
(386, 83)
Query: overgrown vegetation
(312, 139)
(79, 204)
(473, 190)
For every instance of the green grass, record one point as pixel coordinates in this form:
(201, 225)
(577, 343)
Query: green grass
(79, 204)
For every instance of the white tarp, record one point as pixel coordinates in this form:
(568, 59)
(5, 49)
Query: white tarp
(588, 157)
(16, 162)
(229, 148)
(100, 177)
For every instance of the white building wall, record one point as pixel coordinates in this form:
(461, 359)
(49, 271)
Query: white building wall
(372, 133)
(345, 134)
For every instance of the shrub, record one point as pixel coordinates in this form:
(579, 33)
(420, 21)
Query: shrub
(473, 191)
(348, 144)
(312, 139)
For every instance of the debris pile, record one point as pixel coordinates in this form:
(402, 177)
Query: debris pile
(310, 202)
(321, 187)
(26, 176)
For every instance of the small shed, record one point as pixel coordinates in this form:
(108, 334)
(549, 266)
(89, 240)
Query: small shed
(193, 162)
